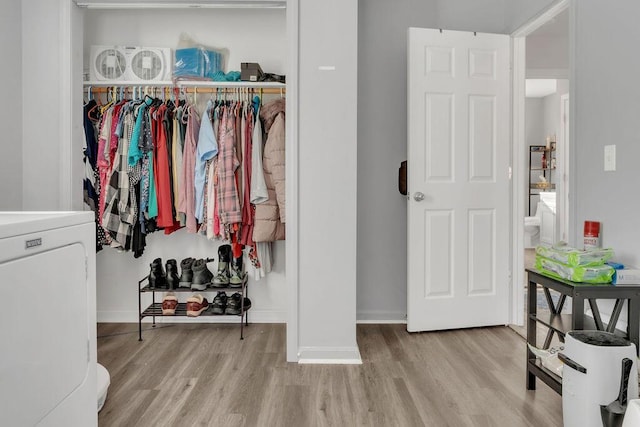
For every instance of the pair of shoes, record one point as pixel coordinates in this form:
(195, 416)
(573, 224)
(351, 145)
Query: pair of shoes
(196, 304)
(222, 304)
(230, 269)
(169, 304)
(233, 304)
(161, 280)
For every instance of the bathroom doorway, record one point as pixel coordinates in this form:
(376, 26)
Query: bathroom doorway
(542, 47)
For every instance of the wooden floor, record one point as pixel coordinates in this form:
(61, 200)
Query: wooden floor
(203, 375)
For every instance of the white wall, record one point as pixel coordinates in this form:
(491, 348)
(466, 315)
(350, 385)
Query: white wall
(11, 108)
(552, 108)
(328, 179)
(547, 55)
(118, 273)
(534, 135)
(42, 93)
(382, 131)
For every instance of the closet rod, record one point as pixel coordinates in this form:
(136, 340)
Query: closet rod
(160, 89)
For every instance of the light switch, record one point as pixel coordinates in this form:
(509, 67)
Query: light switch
(609, 157)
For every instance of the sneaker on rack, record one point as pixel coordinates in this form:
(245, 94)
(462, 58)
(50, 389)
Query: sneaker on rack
(234, 304)
(169, 304)
(196, 304)
(219, 304)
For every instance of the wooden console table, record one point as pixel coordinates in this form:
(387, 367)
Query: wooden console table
(559, 323)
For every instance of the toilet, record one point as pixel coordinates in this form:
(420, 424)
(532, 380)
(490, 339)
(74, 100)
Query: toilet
(532, 229)
(103, 384)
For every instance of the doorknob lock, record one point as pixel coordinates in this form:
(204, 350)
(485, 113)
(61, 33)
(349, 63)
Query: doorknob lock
(418, 196)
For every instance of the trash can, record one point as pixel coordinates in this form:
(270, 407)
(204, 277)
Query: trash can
(593, 375)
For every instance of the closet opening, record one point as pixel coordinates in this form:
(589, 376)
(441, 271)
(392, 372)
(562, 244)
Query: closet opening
(244, 32)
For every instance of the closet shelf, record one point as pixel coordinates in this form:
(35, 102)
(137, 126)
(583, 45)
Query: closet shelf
(181, 4)
(186, 84)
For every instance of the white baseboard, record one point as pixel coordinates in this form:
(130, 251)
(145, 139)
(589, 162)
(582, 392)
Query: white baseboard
(257, 316)
(381, 317)
(329, 355)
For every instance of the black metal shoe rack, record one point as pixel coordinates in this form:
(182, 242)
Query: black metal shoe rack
(155, 309)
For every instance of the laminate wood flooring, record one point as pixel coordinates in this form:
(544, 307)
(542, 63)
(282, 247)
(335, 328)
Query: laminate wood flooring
(203, 375)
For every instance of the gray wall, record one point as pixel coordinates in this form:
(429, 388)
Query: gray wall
(382, 130)
(327, 178)
(11, 107)
(605, 110)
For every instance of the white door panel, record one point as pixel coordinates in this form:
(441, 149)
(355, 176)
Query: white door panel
(458, 156)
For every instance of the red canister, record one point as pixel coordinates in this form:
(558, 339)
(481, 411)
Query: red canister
(591, 234)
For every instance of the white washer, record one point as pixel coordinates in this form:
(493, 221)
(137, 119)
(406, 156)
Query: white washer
(48, 319)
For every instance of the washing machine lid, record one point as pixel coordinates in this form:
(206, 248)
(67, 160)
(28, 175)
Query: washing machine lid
(599, 338)
(20, 223)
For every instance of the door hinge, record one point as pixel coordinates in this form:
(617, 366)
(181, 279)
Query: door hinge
(510, 173)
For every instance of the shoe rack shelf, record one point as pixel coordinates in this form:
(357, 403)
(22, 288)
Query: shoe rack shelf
(155, 308)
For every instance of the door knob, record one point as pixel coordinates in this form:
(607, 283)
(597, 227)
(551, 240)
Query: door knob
(418, 196)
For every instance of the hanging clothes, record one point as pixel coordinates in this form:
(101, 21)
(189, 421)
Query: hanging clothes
(154, 165)
(207, 148)
(270, 215)
(228, 200)
(187, 180)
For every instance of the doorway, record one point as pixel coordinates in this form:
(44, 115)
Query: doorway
(540, 51)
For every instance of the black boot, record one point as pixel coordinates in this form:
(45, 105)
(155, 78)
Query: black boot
(172, 274)
(221, 280)
(201, 275)
(186, 276)
(238, 275)
(157, 276)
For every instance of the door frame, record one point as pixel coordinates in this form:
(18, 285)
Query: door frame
(562, 197)
(518, 57)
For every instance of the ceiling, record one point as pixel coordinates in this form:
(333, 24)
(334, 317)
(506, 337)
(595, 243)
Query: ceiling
(539, 88)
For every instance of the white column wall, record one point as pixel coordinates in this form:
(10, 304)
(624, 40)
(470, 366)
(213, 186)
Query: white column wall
(328, 54)
(41, 96)
(11, 108)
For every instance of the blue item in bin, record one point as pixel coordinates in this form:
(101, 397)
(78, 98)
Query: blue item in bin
(197, 62)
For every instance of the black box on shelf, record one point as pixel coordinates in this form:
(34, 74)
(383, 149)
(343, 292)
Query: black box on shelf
(250, 72)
